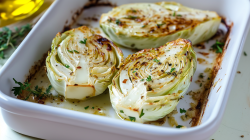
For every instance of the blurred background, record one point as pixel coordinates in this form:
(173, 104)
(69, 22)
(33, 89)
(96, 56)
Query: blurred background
(18, 12)
(17, 17)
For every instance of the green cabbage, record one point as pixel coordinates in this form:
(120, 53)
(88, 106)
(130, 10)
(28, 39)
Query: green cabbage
(150, 83)
(81, 64)
(149, 25)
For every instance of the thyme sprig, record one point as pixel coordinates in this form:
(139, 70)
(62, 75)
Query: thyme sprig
(9, 38)
(26, 87)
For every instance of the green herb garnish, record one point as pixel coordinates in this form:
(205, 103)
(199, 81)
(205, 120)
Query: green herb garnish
(131, 118)
(118, 22)
(26, 87)
(155, 60)
(201, 75)
(18, 90)
(141, 113)
(121, 111)
(48, 89)
(179, 126)
(143, 26)
(76, 51)
(179, 15)
(174, 13)
(218, 46)
(159, 25)
(219, 50)
(172, 69)
(134, 71)
(182, 110)
(149, 78)
(245, 53)
(93, 107)
(156, 101)
(84, 41)
(70, 51)
(86, 107)
(67, 66)
(9, 38)
(200, 84)
(142, 79)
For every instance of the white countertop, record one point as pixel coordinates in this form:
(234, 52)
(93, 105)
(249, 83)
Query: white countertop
(235, 122)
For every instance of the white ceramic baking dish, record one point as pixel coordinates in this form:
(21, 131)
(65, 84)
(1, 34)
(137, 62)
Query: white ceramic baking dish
(55, 123)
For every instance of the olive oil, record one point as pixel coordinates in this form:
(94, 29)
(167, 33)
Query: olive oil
(15, 10)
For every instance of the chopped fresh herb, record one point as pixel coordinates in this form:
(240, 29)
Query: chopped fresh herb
(156, 101)
(93, 107)
(70, 51)
(84, 41)
(201, 75)
(109, 20)
(149, 78)
(86, 107)
(200, 84)
(141, 113)
(8, 38)
(179, 15)
(219, 43)
(155, 60)
(121, 111)
(159, 25)
(142, 79)
(76, 51)
(131, 118)
(143, 26)
(48, 89)
(182, 110)
(172, 69)
(134, 71)
(179, 126)
(218, 46)
(245, 53)
(132, 17)
(67, 66)
(26, 87)
(174, 13)
(117, 22)
(219, 50)
(208, 78)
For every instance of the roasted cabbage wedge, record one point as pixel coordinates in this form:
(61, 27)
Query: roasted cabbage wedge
(81, 64)
(150, 83)
(150, 25)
